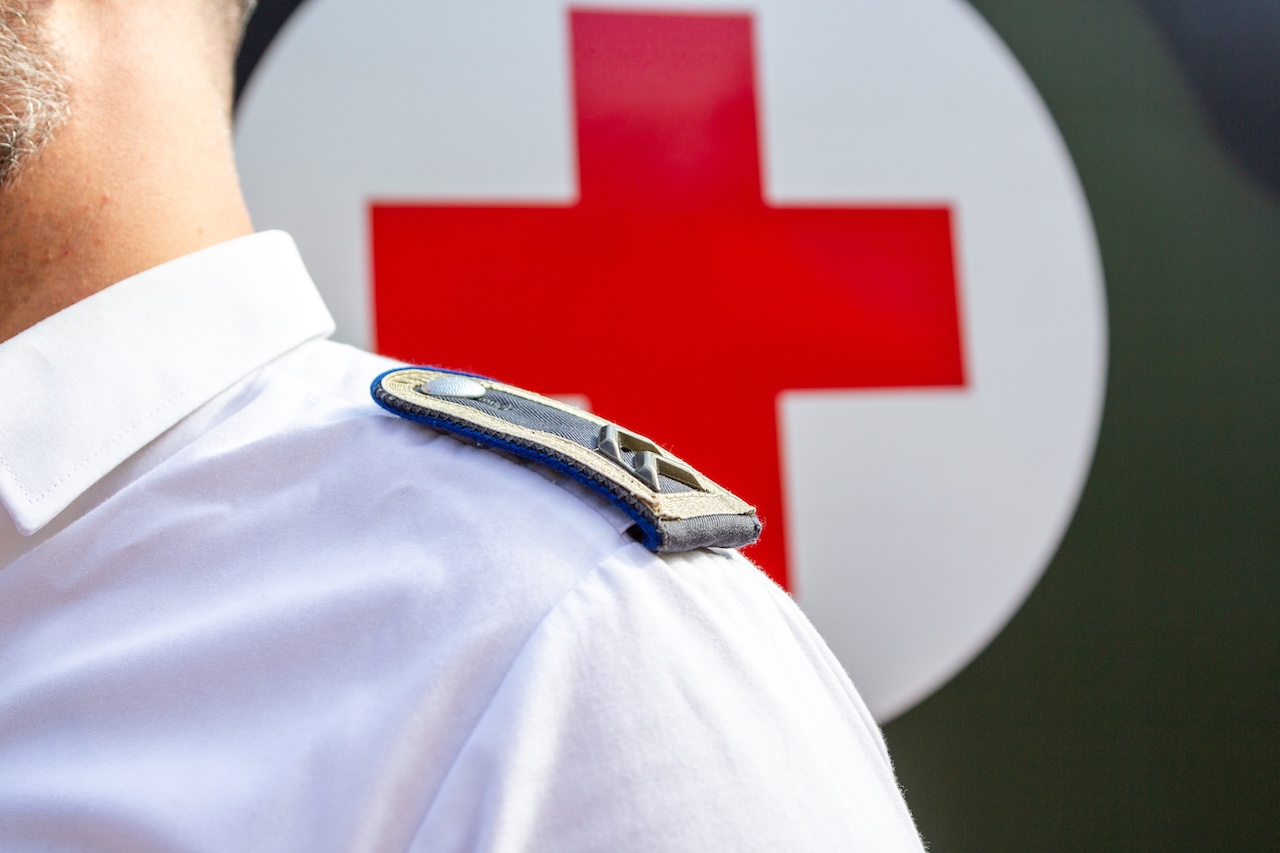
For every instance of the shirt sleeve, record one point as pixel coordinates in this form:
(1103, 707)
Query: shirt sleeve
(675, 704)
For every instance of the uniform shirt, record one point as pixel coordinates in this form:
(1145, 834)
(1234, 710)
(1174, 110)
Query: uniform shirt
(242, 608)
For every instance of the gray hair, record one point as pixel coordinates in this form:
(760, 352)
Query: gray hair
(33, 93)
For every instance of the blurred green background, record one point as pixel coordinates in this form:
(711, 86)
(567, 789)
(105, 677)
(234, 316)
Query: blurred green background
(1132, 704)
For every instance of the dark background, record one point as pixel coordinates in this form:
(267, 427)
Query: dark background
(1134, 702)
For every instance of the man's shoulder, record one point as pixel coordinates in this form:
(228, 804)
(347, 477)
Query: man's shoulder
(385, 481)
(389, 590)
(325, 394)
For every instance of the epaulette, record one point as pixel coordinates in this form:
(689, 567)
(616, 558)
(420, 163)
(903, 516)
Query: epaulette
(674, 507)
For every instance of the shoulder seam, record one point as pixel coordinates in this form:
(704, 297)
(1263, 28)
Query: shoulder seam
(511, 665)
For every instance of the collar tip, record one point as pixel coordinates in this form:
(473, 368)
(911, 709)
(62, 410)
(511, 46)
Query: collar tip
(29, 523)
(29, 518)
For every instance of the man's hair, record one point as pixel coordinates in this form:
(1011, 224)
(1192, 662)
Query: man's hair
(33, 92)
(234, 15)
(245, 8)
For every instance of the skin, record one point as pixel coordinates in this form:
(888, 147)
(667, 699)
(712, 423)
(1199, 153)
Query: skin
(143, 171)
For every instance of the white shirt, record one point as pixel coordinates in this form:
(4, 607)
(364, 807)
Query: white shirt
(243, 608)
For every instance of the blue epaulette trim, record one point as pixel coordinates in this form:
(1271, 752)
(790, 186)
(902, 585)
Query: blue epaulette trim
(674, 507)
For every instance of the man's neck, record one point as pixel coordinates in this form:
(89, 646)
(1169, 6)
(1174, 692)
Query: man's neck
(142, 173)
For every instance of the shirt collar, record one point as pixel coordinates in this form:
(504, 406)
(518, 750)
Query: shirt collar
(87, 388)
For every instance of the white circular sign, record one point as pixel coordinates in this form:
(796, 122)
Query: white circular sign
(918, 519)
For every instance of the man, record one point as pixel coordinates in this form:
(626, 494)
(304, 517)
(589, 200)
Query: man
(244, 608)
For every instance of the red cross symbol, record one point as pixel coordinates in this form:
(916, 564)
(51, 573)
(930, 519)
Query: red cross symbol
(671, 294)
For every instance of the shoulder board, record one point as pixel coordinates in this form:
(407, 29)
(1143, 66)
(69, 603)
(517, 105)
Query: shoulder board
(674, 507)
